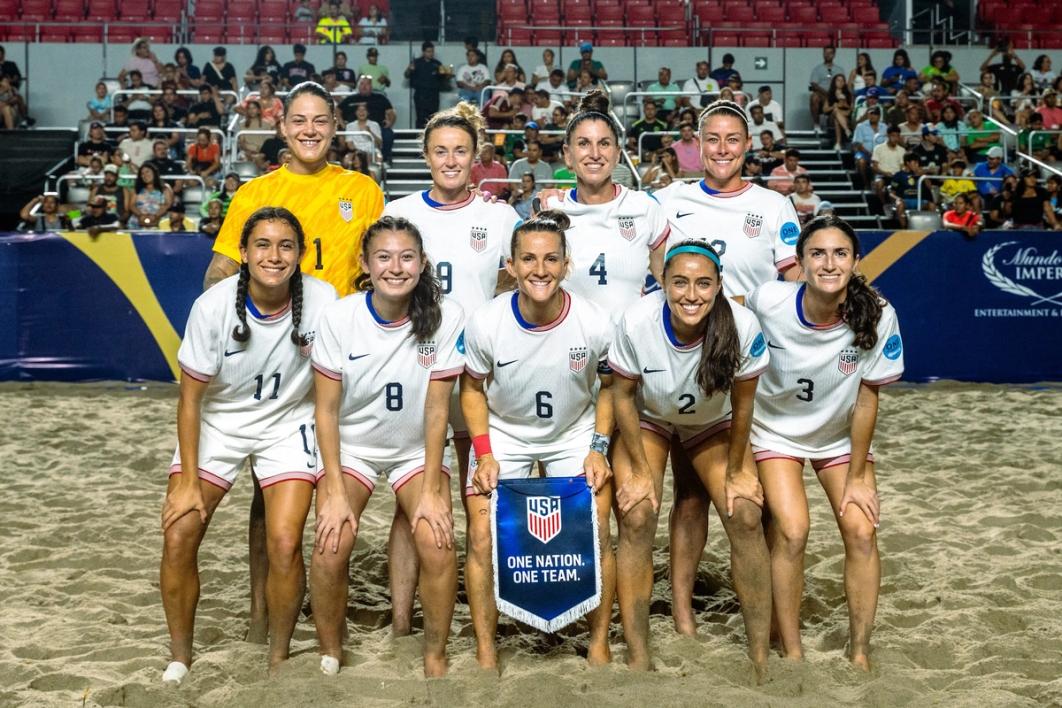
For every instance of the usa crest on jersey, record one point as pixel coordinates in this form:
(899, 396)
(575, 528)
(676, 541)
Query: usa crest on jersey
(346, 209)
(426, 354)
(477, 238)
(626, 227)
(544, 517)
(577, 358)
(753, 223)
(307, 348)
(848, 361)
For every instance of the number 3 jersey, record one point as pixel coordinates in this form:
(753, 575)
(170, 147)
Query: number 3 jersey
(385, 372)
(805, 399)
(257, 386)
(646, 348)
(467, 242)
(541, 380)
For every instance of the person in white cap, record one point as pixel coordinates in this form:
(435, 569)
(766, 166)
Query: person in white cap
(992, 167)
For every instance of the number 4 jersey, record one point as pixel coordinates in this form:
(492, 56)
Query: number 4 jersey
(805, 399)
(259, 385)
(385, 373)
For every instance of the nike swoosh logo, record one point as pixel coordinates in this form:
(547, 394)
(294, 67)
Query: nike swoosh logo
(772, 345)
(647, 370)
(679, 214)
(228, 353)
(501, 364)
(355, 358)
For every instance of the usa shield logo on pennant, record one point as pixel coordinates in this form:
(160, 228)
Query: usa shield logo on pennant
(346, 210)
(426, 354)
(753, 222)
(577, 358)
(477, 239)
(626, 227)
(848, 361)
(544, 517)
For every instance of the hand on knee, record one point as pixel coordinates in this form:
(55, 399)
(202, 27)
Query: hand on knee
(746, 519)
(860, 538)
(639, 524)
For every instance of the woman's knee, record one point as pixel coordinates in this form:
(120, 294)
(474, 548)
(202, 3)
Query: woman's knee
(283, 546)
(639, 524)
(860, 536)
(747, 519)
(479, 543)
(433, 560)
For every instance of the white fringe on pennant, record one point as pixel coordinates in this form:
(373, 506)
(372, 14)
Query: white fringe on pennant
(529, 618)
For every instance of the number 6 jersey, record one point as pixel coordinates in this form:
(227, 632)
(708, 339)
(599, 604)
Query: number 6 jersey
(805, 399)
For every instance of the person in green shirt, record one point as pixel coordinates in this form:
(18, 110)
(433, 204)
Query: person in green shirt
(940, 68)
(381, 77)
(981, 136)
(663, 85)
(586, 61)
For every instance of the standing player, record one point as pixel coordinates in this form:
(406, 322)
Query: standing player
(335, 206)
(245, 395)
(615, 233)
(465, 237)
(754, 230)
(834, 341)
(386, 362)
(686, 363)
(534, 360)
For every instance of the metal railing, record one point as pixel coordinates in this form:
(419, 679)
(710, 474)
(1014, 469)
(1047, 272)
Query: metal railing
(1028, 156)
(483, 99)
(75, 177)
(158, 92)
(655, 134)
(941, 178)
(586, 32)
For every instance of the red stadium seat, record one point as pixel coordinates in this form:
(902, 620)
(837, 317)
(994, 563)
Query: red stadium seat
(803, 15)
(708, 10)
(641, 16)
(1051, 41)
(835, 14)
(512, 12)
(273, 11)
(789, 40)
(609, 12)
(880, 43)
(739, 13)
(241, 11)
(273, 35)
(866, 15)
(724, 39)
(818, 39)
(87, 33)
(542, 37)
(209, 10)
(774, 15)
(169, 10)
(119, 34)
(756, 39)
(607, 39)
(578, 12)
(55, 34)
(671, 14)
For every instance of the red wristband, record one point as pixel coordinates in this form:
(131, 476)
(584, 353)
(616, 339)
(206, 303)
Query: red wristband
(481, 444)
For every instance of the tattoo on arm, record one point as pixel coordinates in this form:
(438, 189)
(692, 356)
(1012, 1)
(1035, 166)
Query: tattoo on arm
(220, 268)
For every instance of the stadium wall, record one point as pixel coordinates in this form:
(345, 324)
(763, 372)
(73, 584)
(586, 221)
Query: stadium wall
(62, 76)
(75, 309)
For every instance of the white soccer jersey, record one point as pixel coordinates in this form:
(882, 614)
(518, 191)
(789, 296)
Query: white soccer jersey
(259, 385)
(385, 373)
(645, 348)
(467, 242)
(541, 381)
(805, 399)
(754, 229)
(609, 246)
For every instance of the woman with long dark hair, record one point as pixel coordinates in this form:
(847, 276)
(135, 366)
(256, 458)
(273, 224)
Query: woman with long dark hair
(149, 199)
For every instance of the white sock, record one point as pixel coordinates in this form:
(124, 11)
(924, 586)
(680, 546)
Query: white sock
(329, 665)
(174, 673)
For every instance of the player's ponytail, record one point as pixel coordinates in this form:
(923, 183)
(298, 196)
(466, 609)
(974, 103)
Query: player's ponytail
(425, 302)
(552, 221)
(862, 306)
(297, 337)
(464, 116)
(241, 332)
(592, 106)
(721, 348)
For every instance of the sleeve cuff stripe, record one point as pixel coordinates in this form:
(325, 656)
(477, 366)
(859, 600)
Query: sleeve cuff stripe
(198, 376)
(473, 373)
(883, 382)
(619, 371)
(335, 376)
(751, 374)
(447, 373)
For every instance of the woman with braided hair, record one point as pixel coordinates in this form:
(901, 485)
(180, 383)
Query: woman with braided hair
(245, 395)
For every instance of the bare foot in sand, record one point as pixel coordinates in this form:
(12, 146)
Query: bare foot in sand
(258, 631)
(599, 655)
(435, 666)
(686, 625)
(487, 658)
(640, 663)
(860, 661)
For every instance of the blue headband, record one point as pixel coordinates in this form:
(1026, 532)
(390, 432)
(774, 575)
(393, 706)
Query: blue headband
(699, 250)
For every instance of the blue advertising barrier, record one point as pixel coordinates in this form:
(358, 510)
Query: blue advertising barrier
(74, 309)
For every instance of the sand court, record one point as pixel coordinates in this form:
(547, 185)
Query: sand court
(970, 612)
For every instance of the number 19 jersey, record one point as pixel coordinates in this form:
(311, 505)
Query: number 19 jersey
(805, 399)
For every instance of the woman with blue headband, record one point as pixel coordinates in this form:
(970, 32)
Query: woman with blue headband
(686, 362)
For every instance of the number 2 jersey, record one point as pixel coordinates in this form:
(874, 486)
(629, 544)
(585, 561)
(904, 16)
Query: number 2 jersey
(645, 348)
(805, 399)
(467, 242)
(753, 229)
(385, 373)
(258, 386)
(541, 380)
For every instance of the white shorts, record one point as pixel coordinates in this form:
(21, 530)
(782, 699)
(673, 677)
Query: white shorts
(367, 469)
(293, 456)
(524, 465)
(690, 436)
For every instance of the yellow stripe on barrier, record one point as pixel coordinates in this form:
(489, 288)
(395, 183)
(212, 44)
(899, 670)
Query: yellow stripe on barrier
(116, 256)
(889, 251)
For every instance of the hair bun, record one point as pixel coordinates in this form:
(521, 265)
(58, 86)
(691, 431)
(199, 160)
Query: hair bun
(594, 101)
(557, 216)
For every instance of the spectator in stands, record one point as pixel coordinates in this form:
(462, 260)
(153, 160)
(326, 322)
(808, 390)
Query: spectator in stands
(702, 84)
(118, 124)
(992, 166)
(265, 65)
(821, 82)
(981, 136)
(219, 73)
(648, 123)
(737, 86)
(869, 82)
(91, 173)
(895, 76)
(533, 163)
(298, 69)
(472, 77)
(508, 82)
(488, 167)
(381, 77)
(99, 106)
(771, 154)
(940, 68)
(188, 74)
(1023, 100)
(10, 69)
(838, 105)
(138, 104)
(380, 111)
(166, 166)
(502, 110)
(556, 87)
(110, 190)
(868, 135)
(1054, 190)
(1050, 111)
(249, 145)
(722, 74)
(142, 59)
(175, 105)
(97, 144)
(371, 144)
(804, 199)
(333, 27)
(204, 157)
(531, 134)
(1001, 204)
(939, 98)
(303, 12)
(1009, 68)
(752, 170)
(913, 87)
(663, 85)
(508, 71)
(211, 223)
(372, 29)
(557, 121)
(782, 176)
(772, 110)
(758, 124)
(688, 150)
(148, 200)
(224, 193)
(1036, 143)
(543, 70)
(586, 62)
(426, 75)
(98, 219)
(542, 106)
(1041, 72)
(1031, 206)
(871, 99)
(158, 122)
(271, 106)
(897, 112)
(11, 104)
(857, 76)
(951, 129)
(269, 157)
(665, 164)
(176, 221)
(136, 146)
(207, 111)
(328, 81)
(344, 75)
(911, 129)
(523, 194)
(47, 216)
(904, 188)
(961, 218)
(887, 159)
(956, 184)
(932, 155)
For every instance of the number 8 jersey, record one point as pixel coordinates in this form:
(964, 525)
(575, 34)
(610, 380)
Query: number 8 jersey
(385, 373)
(805, 399)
